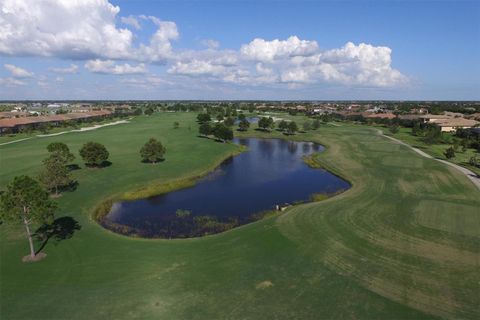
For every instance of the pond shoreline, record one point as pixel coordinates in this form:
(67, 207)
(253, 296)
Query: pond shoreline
(103, 209)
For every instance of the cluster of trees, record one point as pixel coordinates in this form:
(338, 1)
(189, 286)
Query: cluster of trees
(289, 127)
(243, 123)
(27, 200)
(470, 138)
(430, 132)
(219, 130)
(266, 124)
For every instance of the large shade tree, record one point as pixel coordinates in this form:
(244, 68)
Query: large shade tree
(243, 125)
(222, 132)
(62, 150)
(55, 174)
(292, 127)
(203, 117)
(25, 201)
(283, 125)
(205, 129)
(152, 151)
(94, 153)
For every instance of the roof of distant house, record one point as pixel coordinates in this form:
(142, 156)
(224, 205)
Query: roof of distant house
(457, 122)
(379, 115)
(12, 122)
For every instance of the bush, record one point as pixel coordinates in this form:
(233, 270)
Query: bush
(449, 153)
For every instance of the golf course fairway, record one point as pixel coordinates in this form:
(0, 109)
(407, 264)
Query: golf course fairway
(402, 243)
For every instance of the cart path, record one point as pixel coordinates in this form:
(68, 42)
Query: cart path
(97, 126)
(469, 174)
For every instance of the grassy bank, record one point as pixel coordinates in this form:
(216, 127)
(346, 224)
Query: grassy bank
(436, 150)
(402, 243)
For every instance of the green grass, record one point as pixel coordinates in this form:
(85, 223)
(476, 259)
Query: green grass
(5, 138)
(400, 244)
(436, 150)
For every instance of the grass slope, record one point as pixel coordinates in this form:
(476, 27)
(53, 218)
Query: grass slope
(436, 150)
(401, 244)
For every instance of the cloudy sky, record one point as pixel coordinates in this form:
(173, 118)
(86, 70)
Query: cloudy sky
(100, 49)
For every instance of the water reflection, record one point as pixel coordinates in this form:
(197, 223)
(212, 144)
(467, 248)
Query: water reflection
(271, 172)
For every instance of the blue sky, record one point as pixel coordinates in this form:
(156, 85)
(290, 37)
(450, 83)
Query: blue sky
(240, 50)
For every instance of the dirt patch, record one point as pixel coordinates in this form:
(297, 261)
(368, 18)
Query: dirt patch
(264, 285)
(37, 257)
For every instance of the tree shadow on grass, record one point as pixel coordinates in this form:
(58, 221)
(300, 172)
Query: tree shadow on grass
(72, 186)
(158, 160)
(73, 167)
(104, 164)
(60, 229)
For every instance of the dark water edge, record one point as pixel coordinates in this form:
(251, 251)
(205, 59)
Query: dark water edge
(243, 189)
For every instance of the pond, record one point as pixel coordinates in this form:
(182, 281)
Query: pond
(249, 119)
(270, 173)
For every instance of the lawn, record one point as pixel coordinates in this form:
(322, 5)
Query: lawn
(436, 150)
(400, 244)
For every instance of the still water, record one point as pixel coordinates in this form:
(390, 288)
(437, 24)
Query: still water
(270, 173)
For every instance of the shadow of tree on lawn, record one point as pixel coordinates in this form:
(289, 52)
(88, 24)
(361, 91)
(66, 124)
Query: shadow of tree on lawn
(60, 229)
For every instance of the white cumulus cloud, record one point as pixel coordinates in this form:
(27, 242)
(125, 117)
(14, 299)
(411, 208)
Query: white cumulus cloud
(71, 29)
(131, 21)
(87, 30)
(268, 51)
(18, 72)
(110, 67)
(80, 29)
(72, 69)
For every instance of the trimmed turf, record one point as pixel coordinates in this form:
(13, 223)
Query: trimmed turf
(394, 246)
(436, 150)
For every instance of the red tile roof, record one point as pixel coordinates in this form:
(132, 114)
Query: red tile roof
(13, 122)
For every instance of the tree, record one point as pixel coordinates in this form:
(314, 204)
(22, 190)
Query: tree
(251, 108)
(152, 151)
(474, 161)
(416, 129)
(222, 132)
(26, 202)
(94, 153)
(241, 116)
(62, 150)
(148, 111)
(393, 129)
(243, 125)
(433, 133)
(283, 125)
(203, 117)
(55, 174)
(292, 127)
(316, 124)
(229, 122)
(449, 153)
(307, 125)
(205, 129)
(266, 123)
(176, 125)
